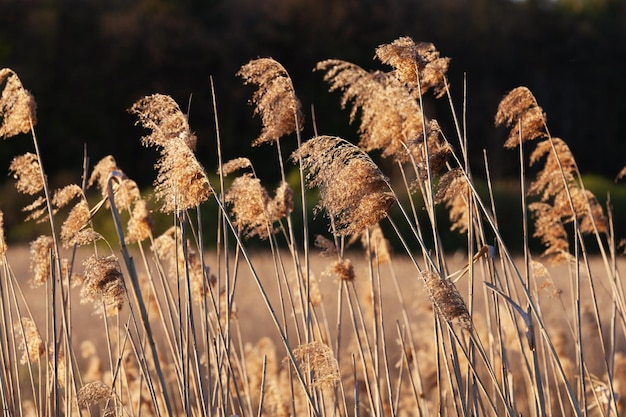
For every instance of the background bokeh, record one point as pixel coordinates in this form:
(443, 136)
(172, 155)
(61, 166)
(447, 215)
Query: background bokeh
(87, 61)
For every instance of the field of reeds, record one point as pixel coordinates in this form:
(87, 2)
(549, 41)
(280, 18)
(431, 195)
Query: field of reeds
(270, 320)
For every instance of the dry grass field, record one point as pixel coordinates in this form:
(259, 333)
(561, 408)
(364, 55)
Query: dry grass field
(155, 323)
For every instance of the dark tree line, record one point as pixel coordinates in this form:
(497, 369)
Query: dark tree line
(87, 61)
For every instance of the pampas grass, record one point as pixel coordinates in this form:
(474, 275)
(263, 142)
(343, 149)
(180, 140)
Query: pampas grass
(172, 328)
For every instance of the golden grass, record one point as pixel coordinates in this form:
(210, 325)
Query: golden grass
(156, 324)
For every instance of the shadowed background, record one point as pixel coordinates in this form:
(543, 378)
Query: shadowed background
(87, 61)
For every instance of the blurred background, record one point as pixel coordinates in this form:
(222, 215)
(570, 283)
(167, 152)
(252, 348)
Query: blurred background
(87, 61)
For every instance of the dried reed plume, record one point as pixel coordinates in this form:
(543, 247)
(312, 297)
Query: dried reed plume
(72, 232)
(182, 182)
(140, 223)
(27, 172)
(555, 183)
(104, 284)
(275, 99)
(29, 340)
(390, 117)
(342, 269)
(318, 359)
(17, 106)
(416, 64)
(40, 259)
(446, 299)
(453, 190)
(125, 190)
(94, 393)
(235, 165)
(519, 111)
(253, 210)
(354, 193)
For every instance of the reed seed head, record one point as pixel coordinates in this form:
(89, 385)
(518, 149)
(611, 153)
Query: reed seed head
(27, 172)
(416, 64)
(40, 258)
(29, 340)
(318, 359)
(446, 299)
(559, 191)
(520, 112)
(275, 99)
(94, 393)
(77, 219)
(235, 165)
(17, 106)
(140, 223)
(454, 191)
(342, 269)
(181, 182)
(104, 284)
(354, 193)
(389, 115)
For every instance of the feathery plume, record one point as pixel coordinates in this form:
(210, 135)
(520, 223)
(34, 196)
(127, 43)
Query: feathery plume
(390, 116)
(93, 393)
(77, 219)
(235, 165)
(415, 62)
(342, 269)
(453, 190)
(519, 111)
(354, 193)
(27, 172)
(181, 182)
(125, 190)
(140, 223)
(318, 359)
(40, 256)
(29, 340)
(446, 299)
(325, 245)
(104, 284)
(17, 106)
(254, 211)
(275, 99)
(555, 183)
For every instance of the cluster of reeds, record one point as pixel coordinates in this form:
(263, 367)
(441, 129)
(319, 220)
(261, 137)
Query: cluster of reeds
(495, 337)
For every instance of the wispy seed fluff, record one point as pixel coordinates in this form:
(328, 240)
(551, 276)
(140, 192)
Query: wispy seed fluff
(453, 190)
(446, 299)
(29, 340)
(416, 61)
(17, 106)
(182, 182)
(125, 190)
(103, 285)
(27, 173)
(40, 257)
(520, 112)
(389, 116)
(93, 393)
(253, 210)
(275, 99)
(140, 223)
(317, 359)
(354, 193)
(555, 183)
